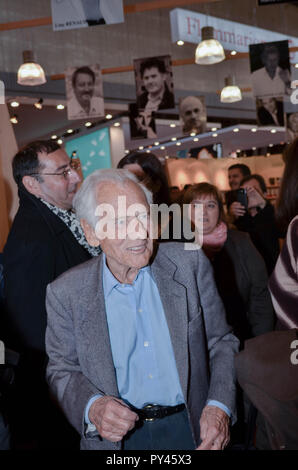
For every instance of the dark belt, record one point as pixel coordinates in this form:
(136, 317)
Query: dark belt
(152, 412)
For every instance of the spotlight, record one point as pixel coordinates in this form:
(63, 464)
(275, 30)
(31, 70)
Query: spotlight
(109, 116)
(60, 106)
(178, 143)
(172, 125)
(117, 124)
(173, 139)
(14, 119)
(236, 129)
(233, 52)
(60, 141)
(88, 124)
(214, 135)
(54, 137)
(192, 134)
(14, 104)
(162, 147)
(196, 139)
(156, 143)
(69, 131)
(273, 131)
(254, 129)
(38, 104)
(214, 129)
(141, 147)
(180, 42)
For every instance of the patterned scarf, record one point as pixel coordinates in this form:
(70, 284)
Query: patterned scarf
(69, 218)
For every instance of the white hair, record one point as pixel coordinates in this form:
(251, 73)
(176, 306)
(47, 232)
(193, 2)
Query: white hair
(85, 203)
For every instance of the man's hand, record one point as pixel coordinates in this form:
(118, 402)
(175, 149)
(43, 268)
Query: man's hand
(236, 209)
(112, 418)
(214, 424)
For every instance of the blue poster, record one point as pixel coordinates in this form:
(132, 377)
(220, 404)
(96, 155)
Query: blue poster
(92, 149)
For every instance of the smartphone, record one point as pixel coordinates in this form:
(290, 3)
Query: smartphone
(241, 196)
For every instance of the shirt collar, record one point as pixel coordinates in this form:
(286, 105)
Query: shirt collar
(110, 282)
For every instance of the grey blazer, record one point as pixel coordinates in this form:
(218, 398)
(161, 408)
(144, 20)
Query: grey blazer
(77, 338)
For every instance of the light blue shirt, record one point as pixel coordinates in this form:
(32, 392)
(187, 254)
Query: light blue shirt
(141, 346)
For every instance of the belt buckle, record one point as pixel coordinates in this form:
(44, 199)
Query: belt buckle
(149, 419)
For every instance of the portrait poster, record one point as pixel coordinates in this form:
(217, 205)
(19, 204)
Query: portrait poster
(270, 111)
(193, 114)
(84, 92)
(270, 68)
(141, 123)
(291, 126)
(154, 83)
(73, 14)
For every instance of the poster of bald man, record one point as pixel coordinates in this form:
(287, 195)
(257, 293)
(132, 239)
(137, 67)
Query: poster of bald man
(270, 69)
(193, 114)
(84, 92)
(154, 83)
(73, 14)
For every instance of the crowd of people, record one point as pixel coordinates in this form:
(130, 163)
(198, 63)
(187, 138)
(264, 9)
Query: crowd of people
(126, 340)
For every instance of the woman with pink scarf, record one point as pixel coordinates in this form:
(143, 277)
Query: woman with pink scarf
(239, 269)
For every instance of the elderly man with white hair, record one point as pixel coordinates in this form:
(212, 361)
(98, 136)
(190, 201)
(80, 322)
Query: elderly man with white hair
(140, 354)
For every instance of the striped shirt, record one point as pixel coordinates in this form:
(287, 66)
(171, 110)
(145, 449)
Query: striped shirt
(283, 283)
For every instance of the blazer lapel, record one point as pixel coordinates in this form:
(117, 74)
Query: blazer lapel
(95, 334)
(173, 296)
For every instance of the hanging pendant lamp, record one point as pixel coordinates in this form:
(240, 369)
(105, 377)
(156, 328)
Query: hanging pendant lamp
(30, 73)
(231, 92)
(209, 51)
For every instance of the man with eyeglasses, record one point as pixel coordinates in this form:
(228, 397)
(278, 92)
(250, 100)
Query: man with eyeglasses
(45, 240)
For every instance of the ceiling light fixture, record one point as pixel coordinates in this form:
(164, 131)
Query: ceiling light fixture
(88, 124)
(273, 131)
(69, 131)
(60, 141)
(30, 73)
(173, 139)
(172, 125)
(209, 51)
(196, 139)
(38, 104)
(180, 42)
(236, 129)
(254, 129)
(14, 104)
(60, 106)
(14, 119)
(156, 143)
(214, 129)
(54, 137)
(117, 124)
(141, 147)
(192, 134)
(233, 52)
(214, 135)
(109, 116)
(230, 92)
(162, 147)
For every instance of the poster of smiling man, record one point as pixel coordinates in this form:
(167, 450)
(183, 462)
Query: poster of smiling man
(84, 92)
(270, 69)
(154, 83)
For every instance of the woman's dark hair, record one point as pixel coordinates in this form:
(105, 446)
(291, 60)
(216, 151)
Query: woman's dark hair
(26, 162)
(287, 203)
(152, 168)
(205, 189)
(258, 178)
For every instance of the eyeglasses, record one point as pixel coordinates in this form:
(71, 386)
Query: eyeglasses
(74, 166)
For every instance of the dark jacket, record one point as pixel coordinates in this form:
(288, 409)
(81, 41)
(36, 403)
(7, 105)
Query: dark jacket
(267, 372)
(39, 248)
(241, 279)
(167, 102)
(263, 233)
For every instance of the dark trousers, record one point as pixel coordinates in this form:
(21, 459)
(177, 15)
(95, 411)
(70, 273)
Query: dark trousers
(170, 433)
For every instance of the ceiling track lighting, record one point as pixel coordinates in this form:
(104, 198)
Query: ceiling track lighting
(30, 73)
(209, 51)
(14, 119)
(230, 92)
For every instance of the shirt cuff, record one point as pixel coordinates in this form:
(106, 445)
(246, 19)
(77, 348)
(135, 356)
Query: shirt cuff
(87, 420)
(219, 405)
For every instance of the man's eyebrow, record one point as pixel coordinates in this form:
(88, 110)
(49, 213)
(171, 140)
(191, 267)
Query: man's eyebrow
(62, 167)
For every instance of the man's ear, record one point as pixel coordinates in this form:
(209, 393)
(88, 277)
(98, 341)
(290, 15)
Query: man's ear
(89, 233)
(32, 185)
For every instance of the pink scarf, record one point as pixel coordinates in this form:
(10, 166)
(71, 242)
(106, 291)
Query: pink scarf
(214, 241)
